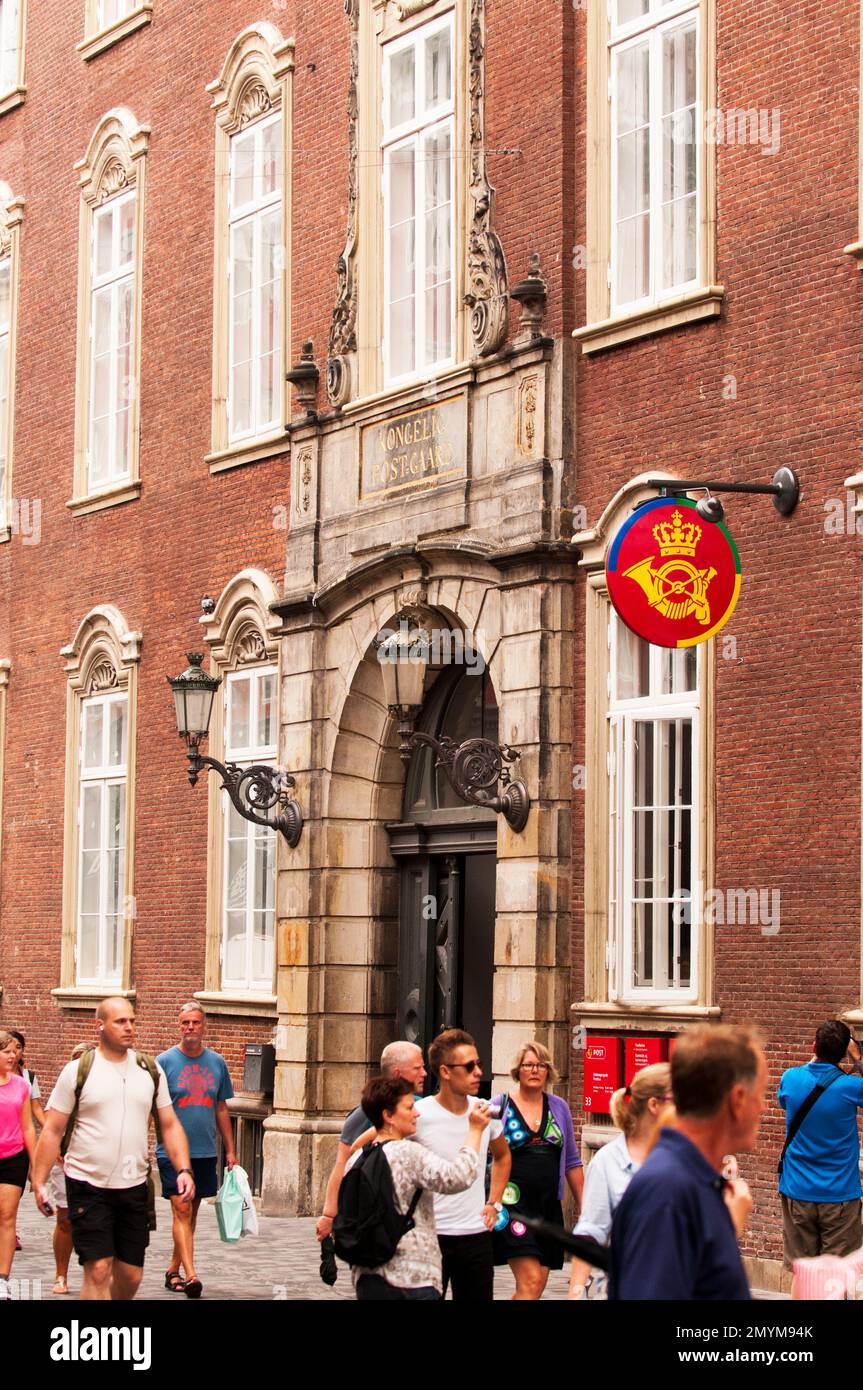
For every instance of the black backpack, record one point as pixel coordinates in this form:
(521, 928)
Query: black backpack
(369, 1225)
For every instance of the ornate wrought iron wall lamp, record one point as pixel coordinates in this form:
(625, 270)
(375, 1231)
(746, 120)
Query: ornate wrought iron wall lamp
(254, 791)
(474, 768)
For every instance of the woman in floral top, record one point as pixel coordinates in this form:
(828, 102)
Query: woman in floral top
(414, 1272)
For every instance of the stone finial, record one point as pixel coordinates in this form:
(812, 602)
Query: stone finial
(532, 294)
(304, 379)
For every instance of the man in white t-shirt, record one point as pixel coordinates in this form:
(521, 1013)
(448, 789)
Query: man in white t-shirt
(107, 1160)
(464, 1220)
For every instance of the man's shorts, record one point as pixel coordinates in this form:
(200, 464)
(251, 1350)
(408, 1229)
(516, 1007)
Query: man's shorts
(204, 1170)
(108, 1222)
(820, 1228)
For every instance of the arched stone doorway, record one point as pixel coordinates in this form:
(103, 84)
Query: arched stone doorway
(340, 932)
(447, 856)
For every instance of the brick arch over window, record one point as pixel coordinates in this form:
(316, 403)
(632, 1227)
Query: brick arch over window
(241, 632)
(113, 166)
(101, 659)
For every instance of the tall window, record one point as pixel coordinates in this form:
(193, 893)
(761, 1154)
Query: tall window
(249, 850)
(255, 269)
(9, 42)
(5, 362)
(112, 378)
(656, 149)
(418, 197)
(101, 839)
(654, 808)
(111, 230)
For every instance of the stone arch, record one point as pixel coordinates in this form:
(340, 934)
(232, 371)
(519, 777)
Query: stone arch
(113, 156)
(249, 83)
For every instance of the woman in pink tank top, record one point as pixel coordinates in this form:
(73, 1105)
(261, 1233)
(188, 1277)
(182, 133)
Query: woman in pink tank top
(17, 1146)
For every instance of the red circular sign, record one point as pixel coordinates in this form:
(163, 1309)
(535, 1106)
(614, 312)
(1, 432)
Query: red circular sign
(673, 578)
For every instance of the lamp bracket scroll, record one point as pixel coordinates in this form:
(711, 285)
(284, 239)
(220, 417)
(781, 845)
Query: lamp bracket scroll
(474, 769)
(254, 791)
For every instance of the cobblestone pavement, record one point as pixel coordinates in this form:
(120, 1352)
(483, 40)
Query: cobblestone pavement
(280, 1263)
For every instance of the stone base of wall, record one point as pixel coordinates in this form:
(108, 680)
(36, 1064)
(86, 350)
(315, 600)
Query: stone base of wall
(298, 1159)
(768, 1276)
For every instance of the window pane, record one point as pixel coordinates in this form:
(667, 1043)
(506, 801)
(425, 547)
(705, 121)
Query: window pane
(401, 337)
(262, 951)
(235, 894)
(102, 321)
(633, 664)
(242, 169)
(679, 58)
(94, 715)
(235, 946)
(241, 257)
(401, 71)
(633, 173)
(103, 230)
(402, 261)
(633, 87)
(266, 711)
(679, 242)
(238, 723)
(5, 283)
(633, 259)
(401, 171)
(116, 814)
(439, 323)
(264, 865)
(270, 158)
(88, 948)
(438, 69)
(631, 9)
(117, 733)
(127, 231)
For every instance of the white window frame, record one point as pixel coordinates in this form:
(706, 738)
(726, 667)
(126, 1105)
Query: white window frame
(6, 377)
(660, 20)
(105, 776)
(245, 756)
(113, 280)
(254, 212)
(623, 715)
(414, 132)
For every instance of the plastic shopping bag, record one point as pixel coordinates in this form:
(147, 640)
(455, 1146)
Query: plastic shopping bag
(229, 1208)
(250, 1214)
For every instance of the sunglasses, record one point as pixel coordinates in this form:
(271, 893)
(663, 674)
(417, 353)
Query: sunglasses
(468, 1066)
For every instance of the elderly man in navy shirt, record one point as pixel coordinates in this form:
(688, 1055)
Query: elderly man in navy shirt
(673, 1235)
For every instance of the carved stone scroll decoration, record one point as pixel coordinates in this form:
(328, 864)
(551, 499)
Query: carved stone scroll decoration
(102, 677)
(251, 647)
(343, 329)
(114, 177)
(487, 295)
(255, 102)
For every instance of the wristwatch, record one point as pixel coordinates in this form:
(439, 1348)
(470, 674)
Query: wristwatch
(498, 1206)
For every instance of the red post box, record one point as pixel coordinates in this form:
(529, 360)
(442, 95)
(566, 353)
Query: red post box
(603, 1072)
(643, 1052)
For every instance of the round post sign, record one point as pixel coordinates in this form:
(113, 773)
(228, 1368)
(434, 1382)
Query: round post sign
(673, 579)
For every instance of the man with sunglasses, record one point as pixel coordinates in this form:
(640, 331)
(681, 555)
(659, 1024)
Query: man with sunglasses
(465, 1220)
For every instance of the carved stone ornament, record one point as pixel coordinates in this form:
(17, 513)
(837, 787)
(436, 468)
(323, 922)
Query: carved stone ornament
(256, 102)
(526, 428)
(251, 648)
(412, 7)
(532, 294)
(102, 677)
(304, 464)
(113, 179)
(343, 329)
(487, 295)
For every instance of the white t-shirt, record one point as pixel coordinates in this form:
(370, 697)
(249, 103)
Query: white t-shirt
(444, 1133)
(109, 1144)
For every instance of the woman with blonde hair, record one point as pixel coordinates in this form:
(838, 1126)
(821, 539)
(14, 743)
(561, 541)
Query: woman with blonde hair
(538, 1128)
(637, 1110)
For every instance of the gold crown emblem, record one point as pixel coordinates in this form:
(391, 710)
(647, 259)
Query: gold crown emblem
(677, 537)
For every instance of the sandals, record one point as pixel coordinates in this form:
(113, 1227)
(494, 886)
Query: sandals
(174, 1281)
(60, 1285)
(193, 1288)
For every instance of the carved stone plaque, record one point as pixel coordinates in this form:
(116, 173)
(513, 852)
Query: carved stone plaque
(421, 447)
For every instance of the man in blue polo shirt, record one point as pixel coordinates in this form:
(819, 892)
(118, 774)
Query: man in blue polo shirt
(819, 1184)
(673, 1236)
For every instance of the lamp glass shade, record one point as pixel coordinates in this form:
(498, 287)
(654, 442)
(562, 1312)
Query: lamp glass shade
(404, 660)
(194, 692)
